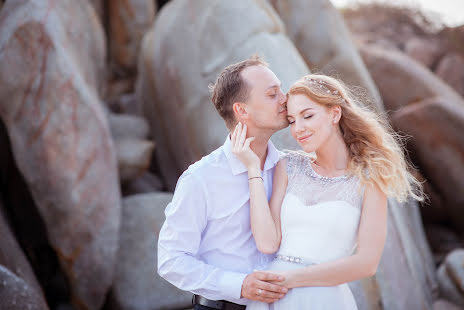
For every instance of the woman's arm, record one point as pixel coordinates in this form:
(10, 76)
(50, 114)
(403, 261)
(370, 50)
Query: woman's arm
(371, 239)
(264, 216)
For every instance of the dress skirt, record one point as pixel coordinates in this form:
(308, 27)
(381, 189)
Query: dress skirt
(311, 298)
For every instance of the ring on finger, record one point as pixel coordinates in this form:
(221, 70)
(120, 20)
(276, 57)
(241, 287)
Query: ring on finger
(259, 292)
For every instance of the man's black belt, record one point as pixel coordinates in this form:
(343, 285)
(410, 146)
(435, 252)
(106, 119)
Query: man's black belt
(216, 304)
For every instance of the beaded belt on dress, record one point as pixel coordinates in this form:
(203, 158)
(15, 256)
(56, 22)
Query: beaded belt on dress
(293, 259)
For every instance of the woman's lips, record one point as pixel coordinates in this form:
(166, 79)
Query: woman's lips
(304, 138)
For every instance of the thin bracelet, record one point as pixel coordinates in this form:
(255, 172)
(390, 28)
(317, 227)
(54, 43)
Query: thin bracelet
(256, 178)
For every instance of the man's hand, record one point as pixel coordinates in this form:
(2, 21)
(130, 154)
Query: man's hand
(256, 286)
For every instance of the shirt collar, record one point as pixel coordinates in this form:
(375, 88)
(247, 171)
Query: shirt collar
(238, 167)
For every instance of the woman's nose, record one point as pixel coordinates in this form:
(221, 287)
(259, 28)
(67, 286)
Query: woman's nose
(298, 126)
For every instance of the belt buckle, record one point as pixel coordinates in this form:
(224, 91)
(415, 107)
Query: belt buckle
(215, 304)
(203, 301)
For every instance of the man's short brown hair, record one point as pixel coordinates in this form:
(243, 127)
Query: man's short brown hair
(230, 87)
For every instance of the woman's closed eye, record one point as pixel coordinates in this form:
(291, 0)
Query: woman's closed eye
(291, 121)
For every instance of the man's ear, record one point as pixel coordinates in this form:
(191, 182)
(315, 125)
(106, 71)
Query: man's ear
(240, 110)
(337, 114)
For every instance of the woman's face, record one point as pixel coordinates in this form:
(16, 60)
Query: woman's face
(311, 123)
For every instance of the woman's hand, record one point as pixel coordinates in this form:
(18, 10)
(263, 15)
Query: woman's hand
(241, 148)
(286, 275)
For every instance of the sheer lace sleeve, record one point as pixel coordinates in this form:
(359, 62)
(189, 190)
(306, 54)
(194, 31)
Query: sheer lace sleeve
(294, 161)
(291, 162)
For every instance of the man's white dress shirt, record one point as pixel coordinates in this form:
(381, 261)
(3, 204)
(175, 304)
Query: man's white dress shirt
(206, 245)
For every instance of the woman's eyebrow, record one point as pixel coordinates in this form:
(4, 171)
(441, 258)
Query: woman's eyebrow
(301, 112)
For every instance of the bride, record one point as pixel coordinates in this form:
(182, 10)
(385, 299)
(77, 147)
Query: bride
(327, 216)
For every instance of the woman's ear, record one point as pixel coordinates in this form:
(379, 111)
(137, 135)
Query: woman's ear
(336, 114)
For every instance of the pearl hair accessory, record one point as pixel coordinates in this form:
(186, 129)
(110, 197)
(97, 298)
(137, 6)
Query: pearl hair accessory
(322, 84)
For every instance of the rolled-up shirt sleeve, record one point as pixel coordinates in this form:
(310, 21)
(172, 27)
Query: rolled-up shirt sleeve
(179, 241)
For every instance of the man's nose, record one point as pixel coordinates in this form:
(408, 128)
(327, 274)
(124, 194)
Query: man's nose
(283, 98)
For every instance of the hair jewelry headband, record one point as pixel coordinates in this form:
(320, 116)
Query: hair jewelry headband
(323, 84)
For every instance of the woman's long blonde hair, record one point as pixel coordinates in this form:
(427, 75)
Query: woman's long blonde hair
(376, 151)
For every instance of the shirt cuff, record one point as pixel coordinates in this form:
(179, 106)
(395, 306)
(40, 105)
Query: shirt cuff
(232, 284)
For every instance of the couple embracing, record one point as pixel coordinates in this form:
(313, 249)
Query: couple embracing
(252, 227)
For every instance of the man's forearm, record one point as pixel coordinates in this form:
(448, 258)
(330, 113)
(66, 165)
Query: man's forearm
(190, 274)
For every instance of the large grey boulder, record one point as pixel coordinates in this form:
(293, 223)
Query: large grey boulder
(367, 294)
(451, 70)
(319, 33)
(12, 258)
(451, 277)
(406, 274)
(146, 183)
(99, 6)
(128, 22)
(427, 51)
(437, 124)
(17, 294)
(442, 241)
(133, 151)
(133, 158)
(443, 304)
(429, 110)
(190, 43)
(52, 60)
(401, 80)
(125, 126)
(137, 285)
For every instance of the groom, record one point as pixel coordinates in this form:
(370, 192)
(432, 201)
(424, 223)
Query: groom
(205, 245)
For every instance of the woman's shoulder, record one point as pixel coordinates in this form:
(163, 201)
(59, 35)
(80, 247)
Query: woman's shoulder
(291, 156)
(295, 160)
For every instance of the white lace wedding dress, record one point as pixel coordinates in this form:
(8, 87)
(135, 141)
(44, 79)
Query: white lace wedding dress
(319, 218)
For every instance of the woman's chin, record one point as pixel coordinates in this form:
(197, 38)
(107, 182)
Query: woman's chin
(307, 147)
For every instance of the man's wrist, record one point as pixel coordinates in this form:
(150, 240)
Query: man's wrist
(240, 279)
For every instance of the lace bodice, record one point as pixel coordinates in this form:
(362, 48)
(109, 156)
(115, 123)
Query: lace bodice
(320, 215)
(312, 188)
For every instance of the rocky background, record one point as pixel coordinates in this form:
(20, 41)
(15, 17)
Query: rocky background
(103, 103)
